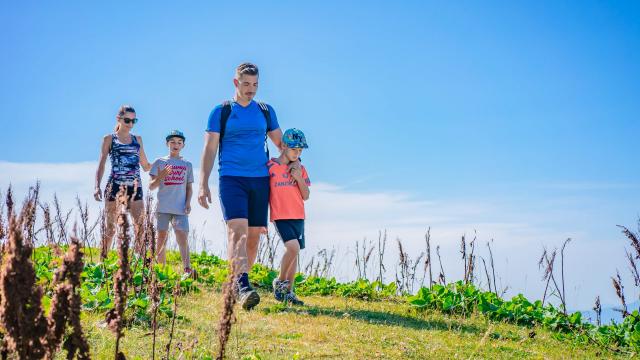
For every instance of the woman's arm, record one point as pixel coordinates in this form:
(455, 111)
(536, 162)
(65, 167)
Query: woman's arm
(144, 162)
(104, 151)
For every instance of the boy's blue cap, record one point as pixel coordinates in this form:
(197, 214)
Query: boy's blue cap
(294, 139)
(175, 133)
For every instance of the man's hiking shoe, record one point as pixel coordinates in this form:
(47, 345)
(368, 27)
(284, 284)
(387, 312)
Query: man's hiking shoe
(291, 297)
(248, 298)
(280, 289)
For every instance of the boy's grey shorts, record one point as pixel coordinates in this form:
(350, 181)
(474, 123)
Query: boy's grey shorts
(179, 222)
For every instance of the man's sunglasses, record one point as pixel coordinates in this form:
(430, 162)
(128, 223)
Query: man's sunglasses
(129, 121)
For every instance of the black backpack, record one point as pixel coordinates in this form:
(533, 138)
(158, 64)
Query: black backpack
(226, 112)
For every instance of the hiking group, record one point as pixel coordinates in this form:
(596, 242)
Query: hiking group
(253, 188)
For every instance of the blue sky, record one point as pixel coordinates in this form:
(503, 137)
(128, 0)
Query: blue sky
(528, 107)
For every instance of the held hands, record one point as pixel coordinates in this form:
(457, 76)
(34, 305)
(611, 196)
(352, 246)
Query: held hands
(204, 196)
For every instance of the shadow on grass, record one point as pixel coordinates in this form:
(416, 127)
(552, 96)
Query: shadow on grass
(376, 317)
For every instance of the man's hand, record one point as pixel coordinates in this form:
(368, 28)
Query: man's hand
(187, 209)
(97, 194)
(204, 196)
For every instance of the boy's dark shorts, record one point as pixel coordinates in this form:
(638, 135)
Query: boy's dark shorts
(245, 198)
(111, 191)
(291, 230)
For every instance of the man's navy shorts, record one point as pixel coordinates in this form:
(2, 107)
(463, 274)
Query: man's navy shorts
(245, 198)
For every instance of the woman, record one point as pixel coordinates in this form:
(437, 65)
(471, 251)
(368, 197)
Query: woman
(127, 154)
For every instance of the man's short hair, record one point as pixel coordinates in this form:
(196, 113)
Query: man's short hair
(246, 69)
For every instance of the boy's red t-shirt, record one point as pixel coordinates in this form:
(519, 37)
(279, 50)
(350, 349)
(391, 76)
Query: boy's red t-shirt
(285, 199)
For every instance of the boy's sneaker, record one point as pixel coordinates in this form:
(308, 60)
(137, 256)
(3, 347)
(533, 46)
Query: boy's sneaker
(293, 299)
(248, 297)
(280, 289)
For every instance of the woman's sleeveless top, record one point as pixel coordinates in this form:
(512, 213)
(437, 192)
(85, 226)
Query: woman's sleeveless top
(125, 161)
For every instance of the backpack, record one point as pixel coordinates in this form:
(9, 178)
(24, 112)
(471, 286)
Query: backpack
(226, 112)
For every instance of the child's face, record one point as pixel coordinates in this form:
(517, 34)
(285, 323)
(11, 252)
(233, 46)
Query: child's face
(175, 145)
(292, 154)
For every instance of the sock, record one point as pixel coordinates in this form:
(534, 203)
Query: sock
(243, 280)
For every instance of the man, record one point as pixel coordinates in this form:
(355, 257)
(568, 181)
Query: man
(244, 178)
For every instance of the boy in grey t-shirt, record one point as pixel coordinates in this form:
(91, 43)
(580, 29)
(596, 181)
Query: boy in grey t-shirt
(173, 176)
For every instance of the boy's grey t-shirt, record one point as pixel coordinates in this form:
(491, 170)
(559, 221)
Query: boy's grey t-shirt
(172, 193)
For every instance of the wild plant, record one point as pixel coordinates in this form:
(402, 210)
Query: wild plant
(115, 317)
(382, 247)
(362, 259)
(61, 220)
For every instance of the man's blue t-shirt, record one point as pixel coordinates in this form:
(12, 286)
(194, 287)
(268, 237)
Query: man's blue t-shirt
(242, 151)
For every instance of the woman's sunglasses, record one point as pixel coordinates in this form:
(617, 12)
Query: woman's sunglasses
(129, 121)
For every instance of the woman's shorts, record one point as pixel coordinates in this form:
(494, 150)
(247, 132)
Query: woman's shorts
(112, 190)
(245, 198)
(178, 222)
(291, 230)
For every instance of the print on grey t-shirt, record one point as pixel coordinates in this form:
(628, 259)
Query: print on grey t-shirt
(172, 193)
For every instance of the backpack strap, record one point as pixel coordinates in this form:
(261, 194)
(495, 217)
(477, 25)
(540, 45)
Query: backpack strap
(264, 108)
(224, 116)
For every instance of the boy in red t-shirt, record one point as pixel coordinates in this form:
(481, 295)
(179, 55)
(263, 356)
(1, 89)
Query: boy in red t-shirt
(289, 184)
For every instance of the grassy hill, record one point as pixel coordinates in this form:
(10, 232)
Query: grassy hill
(335, 328)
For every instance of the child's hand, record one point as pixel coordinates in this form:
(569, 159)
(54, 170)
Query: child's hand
(164, 172)
(187, 209)
(295, 165)
(296, 174)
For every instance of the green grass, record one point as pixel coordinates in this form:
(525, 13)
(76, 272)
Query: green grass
(334, 328)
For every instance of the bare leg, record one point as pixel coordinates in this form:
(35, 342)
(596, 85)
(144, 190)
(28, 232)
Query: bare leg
(289, 259)
(237, 231)
(161, 246)
(183, 244)
(111, 209)
(252, 244)
(137, 214)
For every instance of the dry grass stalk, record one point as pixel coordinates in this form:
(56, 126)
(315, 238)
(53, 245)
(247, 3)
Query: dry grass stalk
(363, 259)
(9, 202)
(441, 278)
(48, 225)
(66, 306)
(28, 214)
(427, 261)
(486, 272)
(382, 247)
(617, 285)
(463, 252)
(267, 249)
(3, 231)
(633, 268)
(176, 292)
(61, 220)
(493, 268)
(20, 308)
(227, 317)
(564, 294)
(598, 310)
(633, 238)
(86, 230)
(115, 316)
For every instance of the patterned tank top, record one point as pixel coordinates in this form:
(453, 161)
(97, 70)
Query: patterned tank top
(125, 161)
